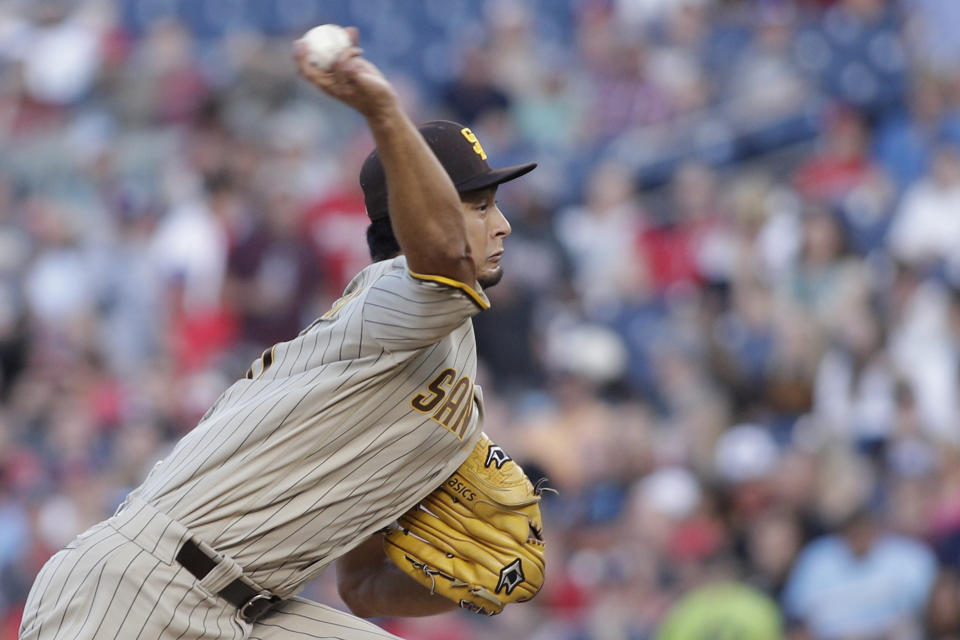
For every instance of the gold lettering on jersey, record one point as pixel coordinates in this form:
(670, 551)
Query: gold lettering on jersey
(455, 402)
(448, 411)
(463, 420)
(425, 402)
(472, 139)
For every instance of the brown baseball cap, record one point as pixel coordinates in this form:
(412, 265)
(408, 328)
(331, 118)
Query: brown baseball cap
(460, 154)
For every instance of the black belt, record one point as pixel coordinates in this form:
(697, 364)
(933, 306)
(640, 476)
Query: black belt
(251, 603)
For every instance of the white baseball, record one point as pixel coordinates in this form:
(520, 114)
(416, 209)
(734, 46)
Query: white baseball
(324, 44)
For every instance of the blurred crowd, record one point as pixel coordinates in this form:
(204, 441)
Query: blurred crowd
(729, 333)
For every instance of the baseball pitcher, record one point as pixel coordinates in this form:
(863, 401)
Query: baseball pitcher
(357, 443)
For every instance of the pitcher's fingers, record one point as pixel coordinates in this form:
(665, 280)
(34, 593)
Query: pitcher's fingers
(343, 69)
(322, 79)
(340, 64)
(300, 53)
(354, 34)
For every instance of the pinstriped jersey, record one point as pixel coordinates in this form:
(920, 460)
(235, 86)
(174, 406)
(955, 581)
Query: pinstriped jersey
(333, 434)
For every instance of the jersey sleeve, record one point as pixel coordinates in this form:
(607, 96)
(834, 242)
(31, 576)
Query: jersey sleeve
(406, 310)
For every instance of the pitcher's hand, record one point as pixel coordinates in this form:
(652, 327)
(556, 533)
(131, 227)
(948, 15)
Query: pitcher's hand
(353, 79)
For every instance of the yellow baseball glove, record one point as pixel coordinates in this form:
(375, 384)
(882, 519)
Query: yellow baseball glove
(477, 539)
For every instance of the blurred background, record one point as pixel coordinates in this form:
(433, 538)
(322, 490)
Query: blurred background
(729, 333)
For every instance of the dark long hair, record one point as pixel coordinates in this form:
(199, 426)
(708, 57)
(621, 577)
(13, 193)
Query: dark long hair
(381, 241)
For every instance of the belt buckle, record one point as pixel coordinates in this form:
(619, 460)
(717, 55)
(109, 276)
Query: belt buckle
(253, 616)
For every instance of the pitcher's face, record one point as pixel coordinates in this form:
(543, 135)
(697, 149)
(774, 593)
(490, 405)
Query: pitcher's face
(486, 229)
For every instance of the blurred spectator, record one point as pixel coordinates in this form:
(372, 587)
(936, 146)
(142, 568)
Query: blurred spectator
(58, 284)
(599, 235)
(538, 265)
(474, 92)
(841, 161)
(905, 141)
(176, 88)
(514, 46)
(675, 63)
(642, 320)
(866, 211)
(929, 32)
(725, 610)
(746, 454)
(921, 346)
(692, 245)
(571, 440)
(926, 231)
(273, 278)
(15, 251)
(15, 532)
(943, 612)
(763, 86)
(862, 581)
(826, 279)
(335, 218)
(771, 545)
(854, 388)
(190, 245)
(944, 523)
(744, 340)
(550, 113)
(131, 291)
(622, 92)
(745, 462)
(61, 52)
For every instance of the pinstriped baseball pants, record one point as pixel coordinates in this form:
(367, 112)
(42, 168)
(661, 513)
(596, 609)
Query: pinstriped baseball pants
(120, 580)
